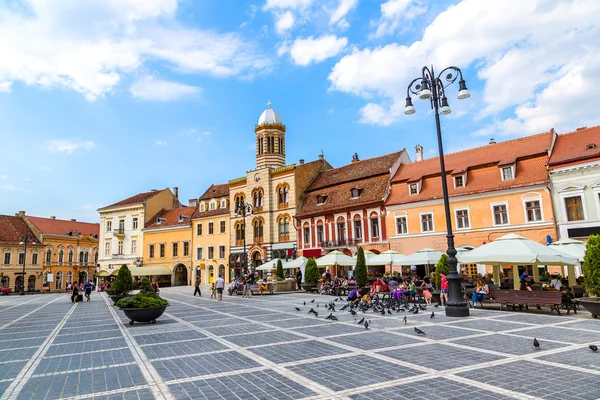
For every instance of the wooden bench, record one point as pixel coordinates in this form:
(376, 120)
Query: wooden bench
(514, 298)
(255, 289)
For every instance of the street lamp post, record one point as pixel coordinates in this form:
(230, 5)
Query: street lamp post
(24, 239)
(243, 209)
(431, 87)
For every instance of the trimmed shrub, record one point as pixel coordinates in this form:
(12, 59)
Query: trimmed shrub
(146, 298)
(124, 282)
(360, 271)
(591, 266)
(441, 266)
(279, 269)
(311, 272)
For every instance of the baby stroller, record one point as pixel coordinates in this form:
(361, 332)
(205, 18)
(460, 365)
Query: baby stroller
(235, 287)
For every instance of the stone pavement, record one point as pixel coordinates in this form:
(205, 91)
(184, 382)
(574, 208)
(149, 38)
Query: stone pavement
(262, 348)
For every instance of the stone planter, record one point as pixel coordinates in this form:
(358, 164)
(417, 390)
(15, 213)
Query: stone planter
(308, 287)
(143, 314)
(592, 304)
(116, 298)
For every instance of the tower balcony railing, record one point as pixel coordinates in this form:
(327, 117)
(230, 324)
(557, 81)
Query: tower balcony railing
(332, 244)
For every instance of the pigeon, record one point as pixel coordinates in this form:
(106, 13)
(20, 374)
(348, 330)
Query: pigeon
(432, 315)
(329, 316)
(419, 332)
(343, 308)
(352, 312)
(317, 304)
(297, 309)
(316, 314)
(389, 312)
(366, 325)
(312, 301)
(416, 311)
(403, 309)
(536, 344)
(304, 303)
(336, 299)
(334, 318)
(404, 320)
(361, 321)
(436, 305)
(593, 348)
(382, 312)
(311, 311)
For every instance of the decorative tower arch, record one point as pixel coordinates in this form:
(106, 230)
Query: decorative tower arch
(270, 139)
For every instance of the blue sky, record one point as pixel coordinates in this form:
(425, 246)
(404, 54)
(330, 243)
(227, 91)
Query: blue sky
(100, 102)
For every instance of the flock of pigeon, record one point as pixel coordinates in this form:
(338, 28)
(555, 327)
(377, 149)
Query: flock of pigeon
(330, 307)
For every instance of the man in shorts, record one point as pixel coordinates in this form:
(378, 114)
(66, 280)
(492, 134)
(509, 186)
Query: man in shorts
(220, 284)
(88, 289)
(249, 282)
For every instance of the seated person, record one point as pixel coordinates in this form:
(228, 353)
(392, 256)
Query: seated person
(399, 292)
(354, 295)
(351, 281)
(556, 283)
(392, 281)
(264, 287)
(325, 286)
(481, 291)
(411, 288)
(366, 299)
(378, 286)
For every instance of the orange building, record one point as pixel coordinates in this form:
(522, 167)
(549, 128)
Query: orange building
(494, 190)
(70, 250)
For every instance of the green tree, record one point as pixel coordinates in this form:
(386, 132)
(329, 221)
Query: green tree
(311, 272)
(360, 271)
(591, 266)
(124, 282)
(441, 266)
(279, 269)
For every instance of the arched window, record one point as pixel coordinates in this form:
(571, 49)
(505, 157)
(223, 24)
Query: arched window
(69, 277)
(96, 257)
(258, 225)
(358, 231)
(374, 225)
(61, 256)
(44, 279)
(81, 256)
(239, 201)
(283, 222)
(257, 197)
(31, 283)
(59, 280)
(48, 256)
(86, 257)
(70, 256)
(283, 193)
(5, 282)
(239, 232)
(341, 230)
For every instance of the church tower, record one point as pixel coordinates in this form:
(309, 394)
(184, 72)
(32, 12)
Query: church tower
(270, 139)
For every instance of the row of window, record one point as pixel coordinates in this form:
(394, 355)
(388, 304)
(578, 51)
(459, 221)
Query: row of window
(270, 145)
(210, 250)
(121, 228)
(174, 250)
(213, 205)
(120, 247)
(355, 193)
(211, 228)
(533, 213)
(258, 229)
(84, 257)
(357, 229)
(282, 192)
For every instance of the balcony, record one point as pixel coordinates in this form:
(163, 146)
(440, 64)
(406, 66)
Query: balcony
(333, 244)
(118, 256)
(120, 233)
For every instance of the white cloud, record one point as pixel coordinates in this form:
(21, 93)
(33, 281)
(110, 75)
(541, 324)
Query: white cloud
(89, 49)
(306, 51)
(284, 22)
(286, 4)
(151, 88)
(343, 8)
(206, 133)
(68, 146)
(3, 177)
(160, 143)
(527, 54)
(8, 188)
(395, 13)
(5, 87)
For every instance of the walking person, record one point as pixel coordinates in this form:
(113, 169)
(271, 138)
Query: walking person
(220, 283)
(197, 287)
(443, 289)
(249, 283)
(155, 286)
(74, 293)
(298, 279)
(88, 289)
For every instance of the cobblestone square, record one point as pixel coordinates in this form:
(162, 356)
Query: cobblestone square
(262, 348)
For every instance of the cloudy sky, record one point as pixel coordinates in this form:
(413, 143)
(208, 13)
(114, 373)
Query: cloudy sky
(100, 100)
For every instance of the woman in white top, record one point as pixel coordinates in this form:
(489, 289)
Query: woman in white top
(555, 282)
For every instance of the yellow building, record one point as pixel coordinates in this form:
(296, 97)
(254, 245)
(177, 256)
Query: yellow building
(167, 253)
(211, 237)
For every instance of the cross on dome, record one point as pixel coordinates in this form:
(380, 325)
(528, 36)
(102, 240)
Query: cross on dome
(269, 103)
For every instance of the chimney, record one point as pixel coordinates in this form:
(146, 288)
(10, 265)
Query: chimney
(355, 158)
(53, 217)
(418, 153)
(73, 219)
(193, 202)
(582, 128)
(492, 141)
(176, 190)
(321, 156)
(21, 213)
(302, 161)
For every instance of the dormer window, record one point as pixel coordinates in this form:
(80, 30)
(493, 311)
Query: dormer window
(213, 206)
(459, 182)
(414, 189)
(508, 173)
(182, 218)
(590, 146)
(222, 203)
(202, 207)
(321, 200)
(160, 220)
(355, 193)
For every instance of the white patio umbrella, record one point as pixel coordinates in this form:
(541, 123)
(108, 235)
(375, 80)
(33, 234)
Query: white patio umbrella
(573, 248)
(297, 263)
(336, 258)
(422, 257)
(388, 257)
(269, 265)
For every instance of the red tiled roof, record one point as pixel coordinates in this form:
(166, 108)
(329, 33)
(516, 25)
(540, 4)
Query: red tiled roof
(171, 217)
(210, 213)
(355, 171)
(138, 198)
(370, 175)
(216, 191)
(499, 153)
(49, 226)
(12, 229)
(572, 146)
(483, 170)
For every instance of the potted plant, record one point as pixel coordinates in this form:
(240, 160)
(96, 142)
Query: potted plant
(591, 271)
(123, 284)
(146, 306)
(311, 275)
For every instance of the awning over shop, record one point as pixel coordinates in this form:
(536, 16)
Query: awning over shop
(115, 272)
(103, 273)
(150, 271)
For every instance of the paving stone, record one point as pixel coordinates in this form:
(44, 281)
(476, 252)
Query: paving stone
(11, 370)
(582, 357)
(330, 329)
(487, 325)
(83, 361)
(535, 319)
(283, 353)
(17, 354)
(298, 322)
(560, 334)
(439, 332)
(168, 337)
(85, 347)
(183, 348)
(234, 329)
(373, 340)
(506, 344)
(141, 394)
(269, 337)
(592, 325)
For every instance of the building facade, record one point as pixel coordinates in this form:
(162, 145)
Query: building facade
(343, 207)
(121, 240)
(273, 189)
(70, 250)
(494, 190)
(574, 168)
(20, 264)
(168, 244)
(211, 235)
